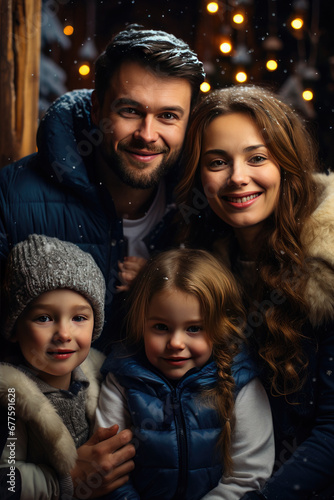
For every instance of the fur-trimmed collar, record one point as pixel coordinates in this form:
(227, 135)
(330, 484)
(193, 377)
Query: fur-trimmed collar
(33, 407)
(318, 238)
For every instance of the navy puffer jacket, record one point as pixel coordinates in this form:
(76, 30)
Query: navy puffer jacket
(175, 432)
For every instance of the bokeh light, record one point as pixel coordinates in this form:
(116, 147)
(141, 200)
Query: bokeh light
(212, 7)
(271, 65)
(84, 70)
(68, 30)
(225, 47)
(308, 95)
(241, 77)
(238, 18)
(205, 87)
(297, 23)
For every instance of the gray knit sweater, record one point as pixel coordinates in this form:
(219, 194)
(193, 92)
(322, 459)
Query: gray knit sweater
(70, 404)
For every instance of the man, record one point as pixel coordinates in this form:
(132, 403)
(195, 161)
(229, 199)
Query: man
(102, 179)
(107, 160)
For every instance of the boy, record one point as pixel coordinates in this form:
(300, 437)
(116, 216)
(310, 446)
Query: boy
(54, 309)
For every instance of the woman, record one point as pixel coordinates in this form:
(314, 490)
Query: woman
(251, 194)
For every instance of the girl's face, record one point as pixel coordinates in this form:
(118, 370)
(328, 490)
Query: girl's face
(240, 178)
(54, 333)
(174, 337)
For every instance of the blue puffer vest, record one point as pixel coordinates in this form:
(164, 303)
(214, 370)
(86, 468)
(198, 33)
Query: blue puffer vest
(175, 432)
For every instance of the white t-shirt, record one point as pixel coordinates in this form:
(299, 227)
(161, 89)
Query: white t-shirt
(136, 230)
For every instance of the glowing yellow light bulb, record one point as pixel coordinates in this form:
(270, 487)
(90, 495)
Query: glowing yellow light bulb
(212, 7)
(68, 30)
(271, 65)
(241, 77)
(238, 18)
(297, 23)
(225, 47)
(308, 95)
(84, 69)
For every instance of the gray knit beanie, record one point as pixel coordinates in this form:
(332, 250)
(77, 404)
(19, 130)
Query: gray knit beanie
(41, 264)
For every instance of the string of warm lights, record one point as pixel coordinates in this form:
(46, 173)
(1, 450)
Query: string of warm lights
(233, 19)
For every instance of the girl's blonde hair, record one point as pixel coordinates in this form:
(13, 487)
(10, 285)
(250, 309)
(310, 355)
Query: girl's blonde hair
(198, 273)
(282, 255)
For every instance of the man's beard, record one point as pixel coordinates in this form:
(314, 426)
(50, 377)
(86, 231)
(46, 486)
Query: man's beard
(137, 177)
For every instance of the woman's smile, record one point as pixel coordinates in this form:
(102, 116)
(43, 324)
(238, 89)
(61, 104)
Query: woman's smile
(240, 178)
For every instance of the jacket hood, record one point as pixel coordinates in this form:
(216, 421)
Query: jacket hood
(318, 238)
(66, 138)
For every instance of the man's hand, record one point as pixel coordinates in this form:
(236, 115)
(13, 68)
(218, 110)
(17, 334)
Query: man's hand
(128, 270)
(103, 463)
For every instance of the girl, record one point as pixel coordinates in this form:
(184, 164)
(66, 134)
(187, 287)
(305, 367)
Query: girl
(250, 192)
(176, 384)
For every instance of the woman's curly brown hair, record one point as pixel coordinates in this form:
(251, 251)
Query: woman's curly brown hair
(281, 258)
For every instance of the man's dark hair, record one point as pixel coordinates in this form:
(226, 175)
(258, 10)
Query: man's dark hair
(159, 51)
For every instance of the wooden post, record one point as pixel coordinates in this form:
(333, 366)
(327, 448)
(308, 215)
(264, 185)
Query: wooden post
(20, 43)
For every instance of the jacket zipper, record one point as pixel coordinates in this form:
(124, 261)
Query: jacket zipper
(183, 448)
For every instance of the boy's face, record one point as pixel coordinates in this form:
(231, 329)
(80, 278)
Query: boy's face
(55, 333)
(175, 338)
